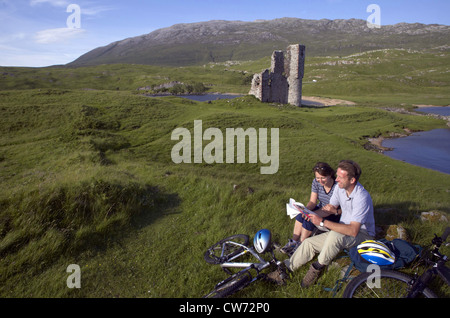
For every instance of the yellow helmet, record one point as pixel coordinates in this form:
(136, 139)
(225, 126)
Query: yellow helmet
(376, 252)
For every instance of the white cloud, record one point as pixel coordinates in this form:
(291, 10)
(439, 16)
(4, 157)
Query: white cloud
(92, 11)
(5, 48)
(36, 59)
(7, 38)
(57, 35)
(56, 3)
(85, 10)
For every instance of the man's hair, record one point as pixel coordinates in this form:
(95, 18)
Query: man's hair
(352, 168)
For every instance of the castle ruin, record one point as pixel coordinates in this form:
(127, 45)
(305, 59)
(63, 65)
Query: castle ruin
(283, 82)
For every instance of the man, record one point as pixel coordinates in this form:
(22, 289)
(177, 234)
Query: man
(357, 224)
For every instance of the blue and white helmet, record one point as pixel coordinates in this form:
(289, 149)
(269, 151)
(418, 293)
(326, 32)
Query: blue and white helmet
(262, 240)
(376, 252)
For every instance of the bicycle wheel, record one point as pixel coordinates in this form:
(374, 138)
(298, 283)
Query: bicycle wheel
(393, 284)
(231, 285)
(222, 251)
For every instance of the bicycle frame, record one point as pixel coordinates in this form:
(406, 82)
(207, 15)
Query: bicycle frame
(438, 268)
(230, 252)
(444, 273)
(260, 265)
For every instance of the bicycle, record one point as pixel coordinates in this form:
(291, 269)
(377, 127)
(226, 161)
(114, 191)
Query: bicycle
(227, 253)
(396, 284)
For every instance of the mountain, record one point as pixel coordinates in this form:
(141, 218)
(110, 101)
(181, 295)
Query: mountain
(218, 41)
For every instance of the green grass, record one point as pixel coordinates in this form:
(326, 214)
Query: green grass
(378, 77)
(87, 178)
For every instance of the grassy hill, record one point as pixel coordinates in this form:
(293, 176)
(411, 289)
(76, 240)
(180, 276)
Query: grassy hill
(87, 176)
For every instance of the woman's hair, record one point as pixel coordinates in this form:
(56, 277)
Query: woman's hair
(324, 169)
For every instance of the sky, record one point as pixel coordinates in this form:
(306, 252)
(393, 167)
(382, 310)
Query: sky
(37, 33)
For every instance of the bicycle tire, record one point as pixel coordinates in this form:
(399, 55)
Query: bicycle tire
(231, 285)
(393, 285)
(212, 255)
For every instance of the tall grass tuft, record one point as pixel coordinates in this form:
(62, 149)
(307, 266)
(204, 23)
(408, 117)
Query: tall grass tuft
(63, 219)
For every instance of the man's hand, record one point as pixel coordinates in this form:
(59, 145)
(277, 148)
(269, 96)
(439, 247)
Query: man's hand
(315, 219)
(330, 209)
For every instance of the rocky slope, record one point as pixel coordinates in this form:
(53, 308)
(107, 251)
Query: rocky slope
(216, 41)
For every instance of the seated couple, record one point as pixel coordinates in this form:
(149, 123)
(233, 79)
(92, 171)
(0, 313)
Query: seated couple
(322, 189)
(356, 223)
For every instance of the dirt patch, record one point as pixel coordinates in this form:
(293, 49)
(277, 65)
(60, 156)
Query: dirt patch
(323, 101)
(376, 144)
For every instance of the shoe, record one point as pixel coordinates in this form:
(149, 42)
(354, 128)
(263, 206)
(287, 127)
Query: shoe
(290, 247)
(278, 276)
(312, 275)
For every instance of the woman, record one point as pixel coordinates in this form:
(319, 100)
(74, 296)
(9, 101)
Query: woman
(321, 191)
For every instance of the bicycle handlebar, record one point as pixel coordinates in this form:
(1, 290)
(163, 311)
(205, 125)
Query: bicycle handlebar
(437, 241)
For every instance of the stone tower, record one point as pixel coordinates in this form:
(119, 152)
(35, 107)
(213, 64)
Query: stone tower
(278, 82)
(283, 83)
(295, 68)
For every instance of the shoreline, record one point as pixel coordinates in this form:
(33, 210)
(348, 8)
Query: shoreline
(427, 106)
(376, 143)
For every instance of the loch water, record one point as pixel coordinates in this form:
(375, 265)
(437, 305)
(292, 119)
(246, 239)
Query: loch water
(209, 97)
(428, 149)
(201, 98)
